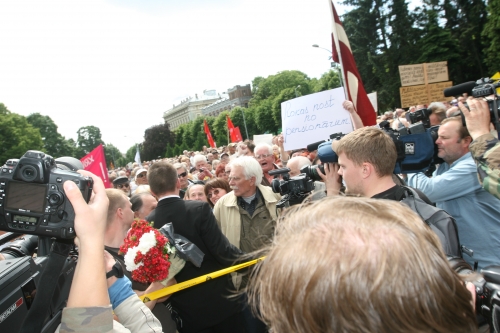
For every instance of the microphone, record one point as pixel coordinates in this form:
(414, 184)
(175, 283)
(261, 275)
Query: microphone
(314, 146)
(459, 89)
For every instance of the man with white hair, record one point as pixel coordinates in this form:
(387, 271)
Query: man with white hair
(264, 154)
(247, 215)
(200, 163)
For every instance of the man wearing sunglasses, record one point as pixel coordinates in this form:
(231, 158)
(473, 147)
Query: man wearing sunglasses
(122, 183)
(182, 174)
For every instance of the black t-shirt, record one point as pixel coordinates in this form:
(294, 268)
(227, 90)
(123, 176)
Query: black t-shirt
(397, 193)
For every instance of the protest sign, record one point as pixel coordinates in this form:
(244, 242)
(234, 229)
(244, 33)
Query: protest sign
(436, 71)
(412, 75)
(313, 118)
(263, 138)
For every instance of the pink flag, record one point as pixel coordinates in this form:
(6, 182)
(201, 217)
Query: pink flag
(342, 54)
(95, 162)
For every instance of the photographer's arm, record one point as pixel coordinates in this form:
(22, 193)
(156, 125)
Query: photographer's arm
(485, 148)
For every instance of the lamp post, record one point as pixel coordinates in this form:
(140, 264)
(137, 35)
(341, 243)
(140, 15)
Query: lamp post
(296, 95)
(333, 64)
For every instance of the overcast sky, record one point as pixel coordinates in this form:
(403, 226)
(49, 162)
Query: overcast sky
(119, 64)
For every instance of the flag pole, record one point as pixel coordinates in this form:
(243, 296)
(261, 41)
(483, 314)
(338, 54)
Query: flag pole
(337, 47)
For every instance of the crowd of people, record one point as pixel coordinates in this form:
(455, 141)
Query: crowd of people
(353, 259)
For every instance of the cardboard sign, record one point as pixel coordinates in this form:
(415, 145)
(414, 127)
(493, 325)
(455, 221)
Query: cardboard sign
(424, 94)
(313, 118)
(436, 71)
(412, 75)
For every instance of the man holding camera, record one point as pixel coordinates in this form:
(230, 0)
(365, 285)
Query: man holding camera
(455, 188)
(485, 148)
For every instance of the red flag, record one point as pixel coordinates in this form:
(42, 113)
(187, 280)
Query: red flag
(95, 162)
(342, 54)
(229, 123)
(209, 135)
(235, 134)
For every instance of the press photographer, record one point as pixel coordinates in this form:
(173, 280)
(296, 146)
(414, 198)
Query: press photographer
(485, 147)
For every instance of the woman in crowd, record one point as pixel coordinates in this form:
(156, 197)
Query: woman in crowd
(220, 171)
(215, 189)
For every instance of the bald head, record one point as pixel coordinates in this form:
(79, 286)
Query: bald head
(297, 163)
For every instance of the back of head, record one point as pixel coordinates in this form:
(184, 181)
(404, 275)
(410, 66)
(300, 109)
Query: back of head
(117, 199)
(371, 145)
(162, 178)
(372, 266)
(438, 109)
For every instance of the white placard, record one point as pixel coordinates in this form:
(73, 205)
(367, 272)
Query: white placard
(266, 138)
(314, 117)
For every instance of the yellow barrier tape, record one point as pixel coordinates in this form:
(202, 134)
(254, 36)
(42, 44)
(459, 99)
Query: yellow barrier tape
(200, 279)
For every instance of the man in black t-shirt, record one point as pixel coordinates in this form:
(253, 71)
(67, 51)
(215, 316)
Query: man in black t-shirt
(366, 160)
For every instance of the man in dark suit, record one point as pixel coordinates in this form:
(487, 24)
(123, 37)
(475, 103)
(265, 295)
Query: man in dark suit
(205, 307)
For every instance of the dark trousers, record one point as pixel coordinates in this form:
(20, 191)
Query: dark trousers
(233, 324)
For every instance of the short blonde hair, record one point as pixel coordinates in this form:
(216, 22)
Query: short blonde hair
(371, 145)
(346, 264)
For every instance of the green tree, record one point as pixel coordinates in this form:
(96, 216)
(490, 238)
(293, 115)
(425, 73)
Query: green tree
(156, 139)
(491, 37)
(130, 154)
(89, 137)
(54, 143)
(329, 80)
(17, 136)
(113, 155)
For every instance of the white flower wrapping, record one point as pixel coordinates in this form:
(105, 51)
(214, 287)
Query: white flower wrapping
(146, 243)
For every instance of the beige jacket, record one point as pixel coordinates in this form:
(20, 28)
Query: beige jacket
(227, 213)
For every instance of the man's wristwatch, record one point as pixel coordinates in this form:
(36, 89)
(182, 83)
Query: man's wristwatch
(116, 270)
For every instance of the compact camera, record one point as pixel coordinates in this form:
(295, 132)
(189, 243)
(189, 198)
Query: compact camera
(32, 198)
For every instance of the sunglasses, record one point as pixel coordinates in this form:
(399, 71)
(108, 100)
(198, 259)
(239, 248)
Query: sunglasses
(123, 185)
(142, 175)
(182, 175)
(215, 192)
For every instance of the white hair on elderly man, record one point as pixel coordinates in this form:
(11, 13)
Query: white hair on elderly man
(251, 168)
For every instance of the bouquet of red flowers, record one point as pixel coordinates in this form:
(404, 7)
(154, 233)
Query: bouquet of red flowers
(147, 253)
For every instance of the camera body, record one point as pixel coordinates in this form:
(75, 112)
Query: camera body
(32, 199)
(293, 189)
(421, 115)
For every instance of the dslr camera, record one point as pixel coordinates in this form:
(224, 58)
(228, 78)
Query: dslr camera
(32, 199)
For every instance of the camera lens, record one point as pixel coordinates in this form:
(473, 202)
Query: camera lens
(28, 173)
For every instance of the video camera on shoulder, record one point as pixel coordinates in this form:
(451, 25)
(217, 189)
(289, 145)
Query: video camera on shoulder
(32, 198)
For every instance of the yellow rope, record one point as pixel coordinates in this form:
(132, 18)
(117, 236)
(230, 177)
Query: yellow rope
(200, 279)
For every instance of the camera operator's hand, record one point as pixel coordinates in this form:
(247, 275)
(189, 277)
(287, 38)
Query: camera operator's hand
(89, 282)
(332, 179)
(477, 116)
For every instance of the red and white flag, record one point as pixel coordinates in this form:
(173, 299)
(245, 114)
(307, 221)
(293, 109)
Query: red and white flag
(95, 162)
(209, 135)
(342, 54)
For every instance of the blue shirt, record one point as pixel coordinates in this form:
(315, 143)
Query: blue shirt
(456, 189)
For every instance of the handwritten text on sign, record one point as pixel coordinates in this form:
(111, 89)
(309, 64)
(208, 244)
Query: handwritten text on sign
(313, 118)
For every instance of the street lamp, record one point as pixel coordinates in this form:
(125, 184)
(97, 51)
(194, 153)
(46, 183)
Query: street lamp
(296, 95)
(327, 50)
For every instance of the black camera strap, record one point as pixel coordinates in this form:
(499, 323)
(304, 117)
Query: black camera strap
(47, 283)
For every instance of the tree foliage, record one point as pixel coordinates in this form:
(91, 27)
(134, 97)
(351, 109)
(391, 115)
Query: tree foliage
(89, 137)
(114, 156)
(156, 139)
(54, 143)
(17, 136)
